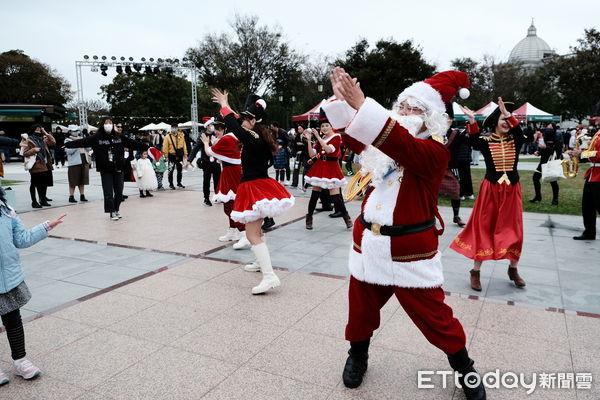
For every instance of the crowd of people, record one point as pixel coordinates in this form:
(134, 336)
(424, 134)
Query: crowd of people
(411, 154)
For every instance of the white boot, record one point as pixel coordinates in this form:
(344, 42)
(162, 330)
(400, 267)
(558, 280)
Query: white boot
(269, 280)
(243, 243)
(231, 234)
(3, 378)
(254, 267)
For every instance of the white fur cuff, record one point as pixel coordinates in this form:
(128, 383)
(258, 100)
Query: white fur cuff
(339, 113)
(368, 122)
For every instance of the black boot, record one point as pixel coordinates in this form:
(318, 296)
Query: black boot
(461, 363)
(72, 199)
(142, 195)
(148, 194)
(82, 198)
(356, 364)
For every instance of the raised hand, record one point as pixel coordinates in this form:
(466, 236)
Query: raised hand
(502, 108)
(350, 89)
(204, 138)
(334, 77)
(220, 98)
(57, 221)
(468, 112)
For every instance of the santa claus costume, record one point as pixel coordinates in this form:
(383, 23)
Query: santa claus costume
(227, 150)
(495, 228)
(257, 196)
(325, 172)
(590, 200)
(395, 239)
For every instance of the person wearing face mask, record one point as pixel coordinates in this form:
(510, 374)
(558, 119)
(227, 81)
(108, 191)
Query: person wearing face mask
(109, 150)
(79, 161)
(210, 165)
(37, 145)
(175, 152)
(395, 239)
(495, 228)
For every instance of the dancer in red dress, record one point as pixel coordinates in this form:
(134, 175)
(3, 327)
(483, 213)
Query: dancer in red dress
(228, 151)
(495, 228)
(326, 172)
(258, 196)
(395, 249)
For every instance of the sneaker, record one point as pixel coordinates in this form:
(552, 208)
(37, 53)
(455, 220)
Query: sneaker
(180, 185)
(231, 234)
(472, 197)
(25, 369)
(114, 216)
(243, 243)
(3, 378)
(462, 198)
(118, 215)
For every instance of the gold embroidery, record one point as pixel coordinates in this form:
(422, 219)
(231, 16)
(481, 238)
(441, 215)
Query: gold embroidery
(423, 255)
(252, 133)
(385, 134)
(462, 244)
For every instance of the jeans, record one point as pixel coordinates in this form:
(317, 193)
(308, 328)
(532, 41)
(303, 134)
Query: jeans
(112, 187)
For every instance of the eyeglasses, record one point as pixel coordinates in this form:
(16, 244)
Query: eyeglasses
(408, 108)
(119, 126)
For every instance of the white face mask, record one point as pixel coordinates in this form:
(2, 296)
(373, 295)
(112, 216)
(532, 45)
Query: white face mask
(75, 133)
(174, 130)
(108, 128)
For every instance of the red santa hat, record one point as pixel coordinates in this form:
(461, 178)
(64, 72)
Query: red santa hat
(154, 153)
(438, 90)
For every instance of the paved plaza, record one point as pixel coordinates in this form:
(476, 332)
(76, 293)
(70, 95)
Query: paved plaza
(154, 307)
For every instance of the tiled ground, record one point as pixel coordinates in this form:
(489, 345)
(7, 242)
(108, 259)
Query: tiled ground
(187, 327)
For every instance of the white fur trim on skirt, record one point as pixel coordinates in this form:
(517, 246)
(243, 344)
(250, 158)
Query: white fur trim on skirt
(224, 198)
(325, 183)
(263, 208)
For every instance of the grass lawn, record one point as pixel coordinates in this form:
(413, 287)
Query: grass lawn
(569, 197)
(8, 182)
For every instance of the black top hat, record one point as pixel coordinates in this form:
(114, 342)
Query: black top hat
(323, 117)
(255, 107)
(492, 120)
(218, 121)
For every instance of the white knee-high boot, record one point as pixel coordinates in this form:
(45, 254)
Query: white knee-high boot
(269, 280)
(255, 266)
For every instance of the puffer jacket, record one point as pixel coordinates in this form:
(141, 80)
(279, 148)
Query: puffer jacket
(13, 236)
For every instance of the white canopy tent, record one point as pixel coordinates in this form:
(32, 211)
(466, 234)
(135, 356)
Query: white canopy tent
(186, 125)
(162, 126)
(149, 127)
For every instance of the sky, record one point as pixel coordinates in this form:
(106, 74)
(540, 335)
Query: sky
(60, 32)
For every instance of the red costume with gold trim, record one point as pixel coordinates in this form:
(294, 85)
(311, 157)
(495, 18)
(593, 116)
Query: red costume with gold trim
(228, 150)
(326, 172)
(495, 228)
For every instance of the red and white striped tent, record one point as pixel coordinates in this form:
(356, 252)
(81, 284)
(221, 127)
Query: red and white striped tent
(311, 114)
(486, 110)
(530, 113)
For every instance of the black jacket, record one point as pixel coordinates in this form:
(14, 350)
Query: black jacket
(102, 144)
(8, 142)
(257, 156)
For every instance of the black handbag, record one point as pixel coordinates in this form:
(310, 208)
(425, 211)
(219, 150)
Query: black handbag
(178, 152)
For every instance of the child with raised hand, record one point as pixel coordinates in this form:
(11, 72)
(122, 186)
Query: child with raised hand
(14, 292)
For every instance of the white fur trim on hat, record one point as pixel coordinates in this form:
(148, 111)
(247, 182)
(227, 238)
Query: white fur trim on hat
(426, 94)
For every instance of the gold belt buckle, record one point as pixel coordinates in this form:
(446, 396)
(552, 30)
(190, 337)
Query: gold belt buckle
(376, 229)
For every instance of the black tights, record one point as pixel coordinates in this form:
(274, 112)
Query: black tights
(41, 189)
(14, 331)
(337, 200)
(538, 187)
(455, 206)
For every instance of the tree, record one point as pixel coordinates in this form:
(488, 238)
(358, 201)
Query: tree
(149, 95)
(387, 69)
(255, 59)
(96, 109)
(481, 85)
(25, 80)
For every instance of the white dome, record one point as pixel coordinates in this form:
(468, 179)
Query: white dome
(531, 50)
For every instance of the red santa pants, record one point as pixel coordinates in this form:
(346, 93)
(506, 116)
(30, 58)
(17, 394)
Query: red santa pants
(228, 208)
(425, 307)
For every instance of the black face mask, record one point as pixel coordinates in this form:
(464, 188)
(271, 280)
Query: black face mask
(38, 133)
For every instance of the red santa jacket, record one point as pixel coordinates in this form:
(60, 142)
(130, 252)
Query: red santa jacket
(227, 149)
(593, 174)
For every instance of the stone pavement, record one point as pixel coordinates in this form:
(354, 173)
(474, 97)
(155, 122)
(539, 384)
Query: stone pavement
(154, 307)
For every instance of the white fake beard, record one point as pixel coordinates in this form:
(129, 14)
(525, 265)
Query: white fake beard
(377, 162)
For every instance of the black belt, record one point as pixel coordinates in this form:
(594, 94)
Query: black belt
(325, 158)
(397, 230)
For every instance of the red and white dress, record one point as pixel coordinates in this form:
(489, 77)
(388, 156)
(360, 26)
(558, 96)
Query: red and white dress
(227, 150)
(326, 172)
(258, 196)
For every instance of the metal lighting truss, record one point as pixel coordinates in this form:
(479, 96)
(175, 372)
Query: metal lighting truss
(95, 64)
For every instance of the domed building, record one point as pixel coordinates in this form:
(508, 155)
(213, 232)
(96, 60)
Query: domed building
(531, 50)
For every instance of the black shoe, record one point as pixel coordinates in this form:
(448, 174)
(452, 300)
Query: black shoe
(142, 195)
(356, 364)
(180, 185)
(82, 198)
(125, 197)
(45, 204)
(535, 200)
(171, 187)
(72, 199)
(148, 194)
(268, 224)
(47, 199)
(336, 214)
(554, 203)
(462, 364)
(35, 204)
(584, 237)
(206, 202)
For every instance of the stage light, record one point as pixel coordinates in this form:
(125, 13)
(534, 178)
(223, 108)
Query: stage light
(95, 57)
(148, 70)
(119, 69)
(128, 70)
(130, 58)
(122, 58)
(176, 61)
(103, 57)
(137, 67)
(185, 59)
(113, 58)
(103, 68)
(151, 59)
(143, 58)
(160, 60)
(86, 57)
